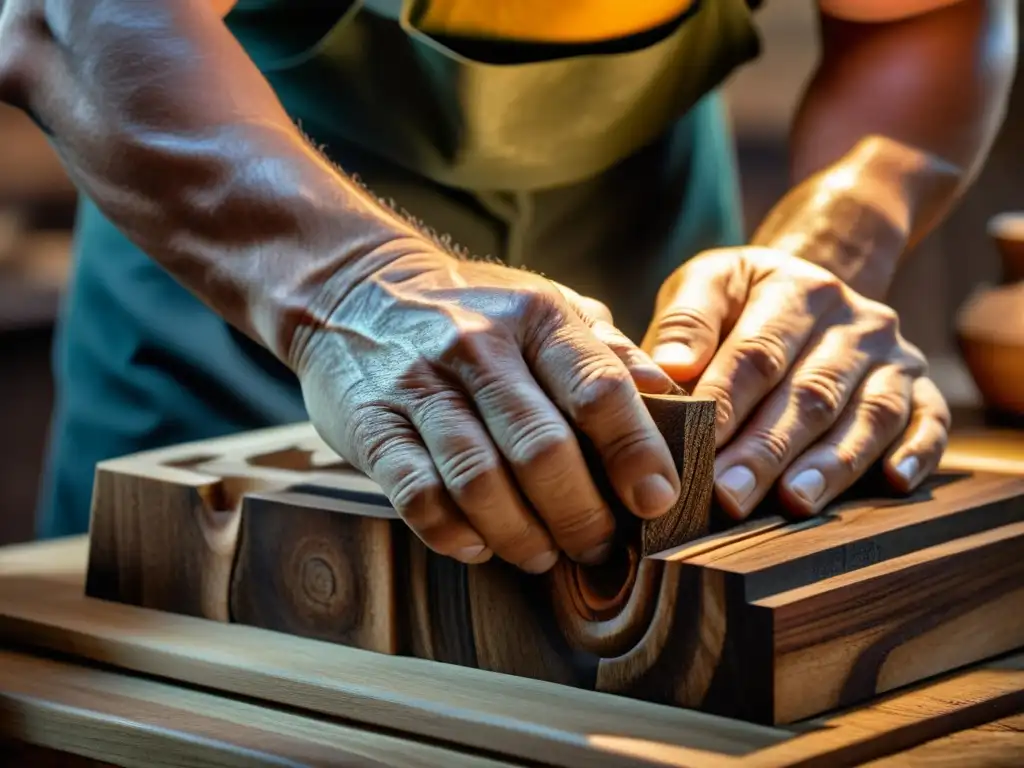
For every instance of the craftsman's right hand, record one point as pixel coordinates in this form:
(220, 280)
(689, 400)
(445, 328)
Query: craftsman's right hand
(455, 385)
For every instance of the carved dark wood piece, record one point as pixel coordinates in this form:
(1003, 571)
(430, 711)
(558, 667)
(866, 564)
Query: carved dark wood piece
(769, 621)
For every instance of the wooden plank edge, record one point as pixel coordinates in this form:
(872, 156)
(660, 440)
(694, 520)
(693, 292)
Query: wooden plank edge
(998, 744)
(903, 719)
(131, 721)
(522, 718)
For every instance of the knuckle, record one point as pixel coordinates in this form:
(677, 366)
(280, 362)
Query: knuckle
(888, 318)
(885, 412)
(469, 471)
(773, 445)
(822, 285)
(629, 443)
(914, 360)
(434, 405)
(576, 528)
(537, 301)
(375, 443)
(468, 343)
(884, 321)
(416, 498)
(850, 462)
(719, 392)
(764, 355)
(537, 443)
(600, 390)
(818, 396)
(682, 323)
(520, 543)
(591, 310)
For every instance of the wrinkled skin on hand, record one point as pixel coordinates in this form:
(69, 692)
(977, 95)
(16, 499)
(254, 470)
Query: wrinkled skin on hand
(456, 385)
(814, 382)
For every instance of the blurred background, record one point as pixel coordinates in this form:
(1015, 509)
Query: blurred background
(37, 212)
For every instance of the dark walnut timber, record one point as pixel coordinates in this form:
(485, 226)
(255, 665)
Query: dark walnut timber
(770, 621)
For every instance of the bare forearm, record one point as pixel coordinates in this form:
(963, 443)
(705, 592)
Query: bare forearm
(165, 123)
(932, 89)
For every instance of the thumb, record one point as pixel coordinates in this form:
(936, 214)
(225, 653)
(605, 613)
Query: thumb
(690, 317)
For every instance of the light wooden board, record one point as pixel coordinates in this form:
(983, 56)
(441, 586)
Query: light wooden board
(517, 717)
(140, 723)
(902, 720)
(993, 745)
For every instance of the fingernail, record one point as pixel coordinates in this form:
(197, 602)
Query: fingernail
(808, 485)
(596, 555)
(674, 353)
(653, 496)
(737, 483)
(908, 468)
(541, 563)
(651, 379)
(474, 554)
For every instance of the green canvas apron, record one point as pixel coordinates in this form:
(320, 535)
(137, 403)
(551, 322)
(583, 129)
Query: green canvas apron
(603, 166)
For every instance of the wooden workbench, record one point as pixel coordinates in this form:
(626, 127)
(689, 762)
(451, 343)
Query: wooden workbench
(85, 682)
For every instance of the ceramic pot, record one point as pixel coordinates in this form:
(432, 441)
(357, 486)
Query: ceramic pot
(990, 325)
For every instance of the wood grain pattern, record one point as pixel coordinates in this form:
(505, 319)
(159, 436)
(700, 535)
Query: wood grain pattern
(134, 722)
(331, 577)
(770, 622)
(517, 717)
(688, 425)
(993, 745)
(465, 708)
(893, 724)
(873, 595)
(850, 637)
(319, 552)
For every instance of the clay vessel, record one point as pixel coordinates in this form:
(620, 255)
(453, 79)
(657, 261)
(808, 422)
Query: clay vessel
(990, 325)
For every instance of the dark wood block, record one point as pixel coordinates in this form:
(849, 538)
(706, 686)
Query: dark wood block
(770, 621)
(688, 425)
(872, 595)
(317, 572)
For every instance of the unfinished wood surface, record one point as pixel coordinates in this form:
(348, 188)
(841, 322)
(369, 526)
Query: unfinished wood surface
(517, 717)
(770, 622)
(688, 426)
(135, 722)
(993, 745)
(893, 724)
(311, 571)
(317, 551)
(872, 595)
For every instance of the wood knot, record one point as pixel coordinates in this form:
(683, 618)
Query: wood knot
(318, 580)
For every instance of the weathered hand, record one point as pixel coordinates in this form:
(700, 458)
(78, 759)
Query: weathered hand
(454, 385)
(814, 382)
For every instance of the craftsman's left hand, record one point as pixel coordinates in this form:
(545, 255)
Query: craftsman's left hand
(814, 382)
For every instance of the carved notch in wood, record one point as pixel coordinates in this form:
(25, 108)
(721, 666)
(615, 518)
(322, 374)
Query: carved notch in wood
(768, 621)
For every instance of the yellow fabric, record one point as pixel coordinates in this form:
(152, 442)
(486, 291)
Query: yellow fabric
(548, 21)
